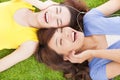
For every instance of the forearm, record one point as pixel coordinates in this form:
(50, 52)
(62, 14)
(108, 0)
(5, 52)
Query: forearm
(23, 52)
(36, 3)
(12, 59)
(109, 7)
(6, 64)
(112, 54)
(112, 69)
(3, 66)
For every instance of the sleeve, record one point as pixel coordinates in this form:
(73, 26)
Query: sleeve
(92, 15)
(98, 72)
(29, 34)
(98, 65)
(95, 22)
(22, 4)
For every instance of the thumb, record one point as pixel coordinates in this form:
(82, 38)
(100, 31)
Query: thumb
(72, 52)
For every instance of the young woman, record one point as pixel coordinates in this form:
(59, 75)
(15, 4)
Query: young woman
(18, 23)
(58, 44)
(100, 46)
(59, 15)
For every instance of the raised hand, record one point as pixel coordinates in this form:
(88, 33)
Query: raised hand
(79, 57)
(48, 3)
(41, 5)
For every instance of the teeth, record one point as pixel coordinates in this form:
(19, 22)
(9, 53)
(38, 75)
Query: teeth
(73, 36)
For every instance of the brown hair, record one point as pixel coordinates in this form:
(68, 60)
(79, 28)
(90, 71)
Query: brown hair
(76, 7)
(52, 59)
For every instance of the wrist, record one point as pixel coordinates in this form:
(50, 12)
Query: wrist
(93, 53)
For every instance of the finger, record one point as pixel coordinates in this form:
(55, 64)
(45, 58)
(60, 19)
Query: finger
(72, 54)
(52, 2)
(55, 3)
(73, 59)
(76, 59)
(65, 58)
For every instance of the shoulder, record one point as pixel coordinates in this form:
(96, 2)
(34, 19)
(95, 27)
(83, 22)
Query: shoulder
(21, 4)
(94, 22)
(92, 14)
(28, 34)
(29, 45)
(98, 69)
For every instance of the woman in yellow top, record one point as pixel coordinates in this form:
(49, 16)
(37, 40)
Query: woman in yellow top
(18, 23)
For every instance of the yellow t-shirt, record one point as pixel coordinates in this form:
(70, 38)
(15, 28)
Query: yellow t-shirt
(11, 33)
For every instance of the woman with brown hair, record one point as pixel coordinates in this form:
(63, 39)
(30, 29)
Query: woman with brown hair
(60, 14)
(54, 59)
(97, 46)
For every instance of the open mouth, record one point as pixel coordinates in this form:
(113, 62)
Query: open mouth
(46, 17)
(73, 36)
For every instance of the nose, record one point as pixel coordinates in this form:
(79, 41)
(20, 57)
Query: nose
(55, 16)
(66, 35)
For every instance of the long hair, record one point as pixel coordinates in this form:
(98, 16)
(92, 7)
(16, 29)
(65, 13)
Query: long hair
(49, 57)
(77, 9)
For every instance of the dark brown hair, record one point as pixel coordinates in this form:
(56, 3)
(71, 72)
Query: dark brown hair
(75, 7)
(49, 57)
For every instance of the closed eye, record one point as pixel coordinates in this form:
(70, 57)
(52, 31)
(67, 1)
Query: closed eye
(59, 21)
(61, 41)
(56, 10)
(61, 30)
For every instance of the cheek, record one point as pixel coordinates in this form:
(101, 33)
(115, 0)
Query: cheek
(67, 45)
(52, 23)
(65, 21)
(51, 10)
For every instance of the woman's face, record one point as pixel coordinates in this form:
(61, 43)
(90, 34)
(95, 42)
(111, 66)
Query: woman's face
(66, 40)
(54, 16)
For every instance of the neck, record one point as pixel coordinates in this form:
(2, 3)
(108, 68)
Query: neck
(89, 43)
(32, 20)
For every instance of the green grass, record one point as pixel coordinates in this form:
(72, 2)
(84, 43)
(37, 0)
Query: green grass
(30, 69)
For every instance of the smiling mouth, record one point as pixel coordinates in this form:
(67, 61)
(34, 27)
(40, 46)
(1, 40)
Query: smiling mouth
(73, 36)
(46, 17)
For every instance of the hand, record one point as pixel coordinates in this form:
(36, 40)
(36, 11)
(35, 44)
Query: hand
(48, 3)
(40, 4)
(79, 58)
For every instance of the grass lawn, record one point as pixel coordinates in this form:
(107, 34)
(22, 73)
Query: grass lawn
(31, 69)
